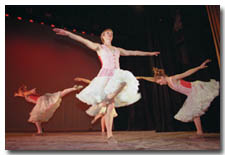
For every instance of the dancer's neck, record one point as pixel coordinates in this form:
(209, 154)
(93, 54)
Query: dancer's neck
(108, 43)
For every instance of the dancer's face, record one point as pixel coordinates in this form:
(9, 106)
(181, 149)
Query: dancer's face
(162, 80)
(107, 35)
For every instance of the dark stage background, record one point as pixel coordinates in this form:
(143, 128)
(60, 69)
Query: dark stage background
(39, 58)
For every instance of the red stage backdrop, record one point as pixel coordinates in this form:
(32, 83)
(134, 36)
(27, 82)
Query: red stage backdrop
(38, 58)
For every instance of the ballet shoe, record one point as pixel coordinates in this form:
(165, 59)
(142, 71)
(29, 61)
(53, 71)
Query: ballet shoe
(77, 87)
(111, 140)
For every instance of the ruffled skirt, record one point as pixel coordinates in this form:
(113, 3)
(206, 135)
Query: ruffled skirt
(101, 86)
(45, 107)
(198, 101)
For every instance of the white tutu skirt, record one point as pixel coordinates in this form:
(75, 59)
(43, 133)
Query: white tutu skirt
(100, 87)
(95, 110)
(45, 107)
(198, 101)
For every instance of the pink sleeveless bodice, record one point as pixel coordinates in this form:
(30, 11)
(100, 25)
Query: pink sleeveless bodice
(109, 59)
(181, 86)
(34, 97)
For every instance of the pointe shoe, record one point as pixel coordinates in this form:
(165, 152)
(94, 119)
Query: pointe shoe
(77, 87)
(112, 140)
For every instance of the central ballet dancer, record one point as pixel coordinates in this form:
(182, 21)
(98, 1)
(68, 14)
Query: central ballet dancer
(112, 86)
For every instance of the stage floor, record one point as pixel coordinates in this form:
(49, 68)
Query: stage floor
(127, 140)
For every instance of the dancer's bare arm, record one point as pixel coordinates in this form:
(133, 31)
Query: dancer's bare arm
(29, 92)
(191, 71)
(25, 93)
(92, 45)
(150, 79)
(124, 52)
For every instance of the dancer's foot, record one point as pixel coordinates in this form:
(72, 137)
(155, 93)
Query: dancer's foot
(197, 136)
(77, 87)
(93, 121)
(111, 140)
(199, 133)
(103, 133)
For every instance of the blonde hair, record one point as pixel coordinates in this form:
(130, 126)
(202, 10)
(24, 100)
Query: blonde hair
(21, 90)
(158, 73)
(108, 29)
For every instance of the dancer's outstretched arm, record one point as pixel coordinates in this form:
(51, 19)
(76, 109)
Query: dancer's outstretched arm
(29, 92)
(25, 93)
(191, 71)
(82, 79)
(92, 45)
(150, 79)
(124, 52)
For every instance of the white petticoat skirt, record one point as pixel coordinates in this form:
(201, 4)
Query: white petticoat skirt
(45, 107)
(198, 101)
(100, 87)
(95, 110)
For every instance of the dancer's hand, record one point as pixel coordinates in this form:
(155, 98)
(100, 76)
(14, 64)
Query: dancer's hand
(61, 32)
(155, 53)
(203, 65)
(18, 94)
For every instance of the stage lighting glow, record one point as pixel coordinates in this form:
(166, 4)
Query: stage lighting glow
(51, 25)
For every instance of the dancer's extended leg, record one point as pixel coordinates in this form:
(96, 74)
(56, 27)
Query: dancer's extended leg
(69, 90)
(109, 119)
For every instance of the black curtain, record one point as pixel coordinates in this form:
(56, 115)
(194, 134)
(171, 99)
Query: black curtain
(181, 48)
